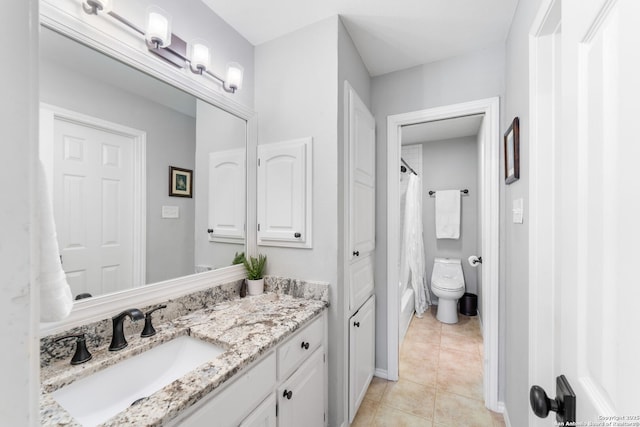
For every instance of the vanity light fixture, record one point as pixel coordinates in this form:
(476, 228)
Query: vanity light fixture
(162, 42)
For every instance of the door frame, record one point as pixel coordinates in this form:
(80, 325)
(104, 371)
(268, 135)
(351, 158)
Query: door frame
(489, 201)
(543, 95)
(49, 114)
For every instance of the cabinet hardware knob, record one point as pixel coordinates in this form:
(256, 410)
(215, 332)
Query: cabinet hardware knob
(287, 394)
(356, 324)
(209, 230)
(356, 253)
(297, 235)
(305, 345)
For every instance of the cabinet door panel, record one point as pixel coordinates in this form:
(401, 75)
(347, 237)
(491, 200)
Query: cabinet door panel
(227, 195)
(264, 415)
(306, 390)
(284, 193)
(361, 354)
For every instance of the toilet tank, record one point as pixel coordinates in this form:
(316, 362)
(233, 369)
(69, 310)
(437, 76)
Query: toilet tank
(448, 268)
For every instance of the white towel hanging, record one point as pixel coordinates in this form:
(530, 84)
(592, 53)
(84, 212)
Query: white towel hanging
(448, 214)
(56, 300)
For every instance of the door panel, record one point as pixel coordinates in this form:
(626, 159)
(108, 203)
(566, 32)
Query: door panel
(599, 283)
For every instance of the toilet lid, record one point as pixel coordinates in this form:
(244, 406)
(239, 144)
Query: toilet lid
(447, 284)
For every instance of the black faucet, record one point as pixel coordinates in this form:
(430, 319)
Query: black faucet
(118, 341)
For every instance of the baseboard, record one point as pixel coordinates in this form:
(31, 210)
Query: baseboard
(480, 321)
(505, 414)
(381, 373)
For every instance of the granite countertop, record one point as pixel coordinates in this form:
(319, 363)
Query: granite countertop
(246, 328)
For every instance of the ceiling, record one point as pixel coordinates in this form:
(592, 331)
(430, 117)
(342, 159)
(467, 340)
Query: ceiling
(390, 35)
(439, 130)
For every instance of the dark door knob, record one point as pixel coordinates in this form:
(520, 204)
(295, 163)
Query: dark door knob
(287, 394)
(564, 405)
(209, 230)
(356, 324)
(297, 235)
(356, 253)
(305, 345)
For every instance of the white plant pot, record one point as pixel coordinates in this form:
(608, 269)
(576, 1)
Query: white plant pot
(255, 287)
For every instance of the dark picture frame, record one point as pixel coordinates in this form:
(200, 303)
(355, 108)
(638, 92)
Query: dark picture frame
(512, 152)
(180, 182)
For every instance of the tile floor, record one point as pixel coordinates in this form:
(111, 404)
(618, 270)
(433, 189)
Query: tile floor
(440, 380)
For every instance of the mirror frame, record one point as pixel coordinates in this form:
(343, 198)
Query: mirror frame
(65, 17)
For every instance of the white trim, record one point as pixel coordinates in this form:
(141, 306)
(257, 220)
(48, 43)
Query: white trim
(489, 197)
(66, 17)
(99, 308)
(507, 421)
(50, 113)
(541, 196)
(381, 373)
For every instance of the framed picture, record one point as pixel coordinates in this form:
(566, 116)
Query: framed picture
(512, 152)
(180, 182)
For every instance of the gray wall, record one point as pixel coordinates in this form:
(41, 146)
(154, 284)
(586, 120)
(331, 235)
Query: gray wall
(515, 238)
(447, 165)
(217, 130)
(170, 141)
(465, 78)
(296, 96)
(19, 295)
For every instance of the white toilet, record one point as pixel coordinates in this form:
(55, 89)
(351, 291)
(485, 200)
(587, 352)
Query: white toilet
(447, 283)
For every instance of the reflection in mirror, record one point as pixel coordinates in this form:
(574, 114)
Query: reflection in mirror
(109, 134)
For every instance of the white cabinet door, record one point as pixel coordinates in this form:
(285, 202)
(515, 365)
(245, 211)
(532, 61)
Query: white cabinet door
(361, 354)
(301, 397)
(264, 415)
(362, 169)
(227, 196)
(284, 193)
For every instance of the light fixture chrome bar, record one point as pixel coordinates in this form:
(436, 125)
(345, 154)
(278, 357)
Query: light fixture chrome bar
(126, 22)
(172, 54)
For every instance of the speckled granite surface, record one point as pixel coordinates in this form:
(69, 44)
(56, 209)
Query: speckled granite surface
(297, 288)
(246, 328)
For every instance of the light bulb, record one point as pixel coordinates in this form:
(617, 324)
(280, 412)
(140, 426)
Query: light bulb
(234, 76)
(158, 27)
(200, 55)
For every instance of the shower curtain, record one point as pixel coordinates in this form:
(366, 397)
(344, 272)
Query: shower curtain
(412, 257)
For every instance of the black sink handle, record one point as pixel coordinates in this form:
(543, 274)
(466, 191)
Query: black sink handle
(149, 330)
(82, 354)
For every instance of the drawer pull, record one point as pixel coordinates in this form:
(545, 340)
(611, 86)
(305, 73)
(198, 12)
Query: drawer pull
(305, 345)
(356, 324)
(287, 394)
(356, 253)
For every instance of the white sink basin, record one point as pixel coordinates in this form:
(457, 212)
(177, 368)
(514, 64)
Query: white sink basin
(100, 396)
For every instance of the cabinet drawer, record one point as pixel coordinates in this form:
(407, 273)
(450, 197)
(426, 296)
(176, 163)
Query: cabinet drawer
(232, 404)
(299, 347)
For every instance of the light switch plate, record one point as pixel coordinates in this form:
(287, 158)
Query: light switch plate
(170, 212)
(518, 211)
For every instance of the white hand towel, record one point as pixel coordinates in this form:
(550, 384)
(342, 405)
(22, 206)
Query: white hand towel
(448, 214)
(56, 300)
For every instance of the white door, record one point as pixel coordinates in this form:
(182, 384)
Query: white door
(301, 397)
(227, 196)
(362, 160)
(285, 193)
(362, 339)
(595, 213)
(93, 206)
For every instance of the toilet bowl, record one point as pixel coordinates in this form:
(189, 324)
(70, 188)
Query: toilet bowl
(447, 283)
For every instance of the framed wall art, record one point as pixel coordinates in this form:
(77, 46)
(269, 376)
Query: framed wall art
(180, 182)
(512, 152)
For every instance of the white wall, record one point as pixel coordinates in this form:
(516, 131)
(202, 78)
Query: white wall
(451, 164)
(296, 96)
(171, 140)
(217, 130)
(515, 240)
(19, 296)
(474, 76)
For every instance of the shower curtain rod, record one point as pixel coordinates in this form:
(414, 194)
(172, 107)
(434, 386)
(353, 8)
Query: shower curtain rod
(407, 165)
(464, 192)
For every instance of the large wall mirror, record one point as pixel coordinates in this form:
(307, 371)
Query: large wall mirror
(109, 135)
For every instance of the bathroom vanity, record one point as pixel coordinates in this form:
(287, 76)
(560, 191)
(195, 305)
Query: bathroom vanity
(272, 367)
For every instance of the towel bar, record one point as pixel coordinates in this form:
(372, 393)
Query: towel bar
(464, 192)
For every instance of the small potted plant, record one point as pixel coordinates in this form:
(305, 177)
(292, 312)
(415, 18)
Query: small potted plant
(255, 270)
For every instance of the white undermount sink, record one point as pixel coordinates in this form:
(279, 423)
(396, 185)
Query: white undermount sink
(100, 396)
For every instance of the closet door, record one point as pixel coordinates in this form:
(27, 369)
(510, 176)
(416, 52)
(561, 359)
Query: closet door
(284, 193)
(361, 354)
